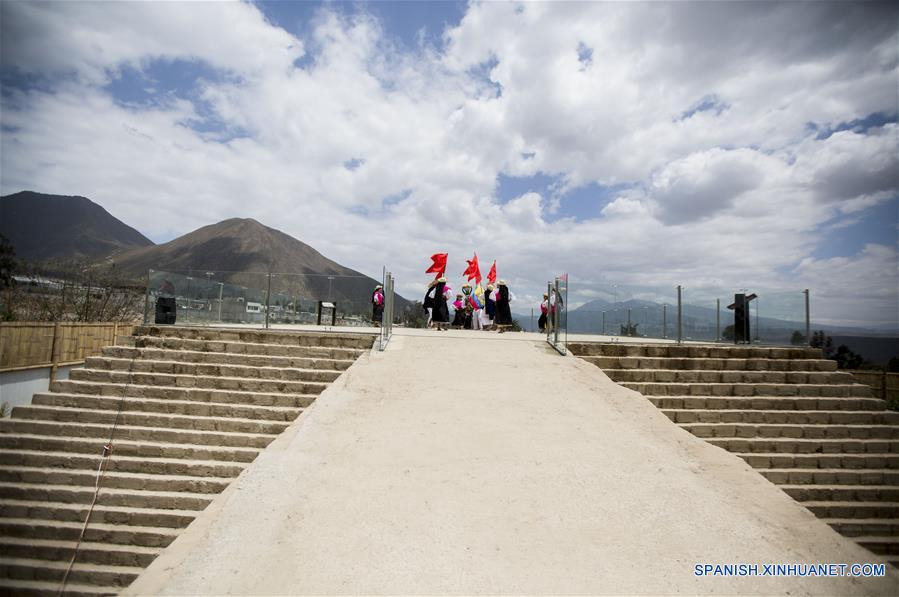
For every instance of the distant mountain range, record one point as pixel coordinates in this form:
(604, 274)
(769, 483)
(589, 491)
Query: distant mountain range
(212, 259)
(48, 227)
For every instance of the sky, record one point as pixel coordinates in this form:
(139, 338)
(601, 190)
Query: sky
(633, 145)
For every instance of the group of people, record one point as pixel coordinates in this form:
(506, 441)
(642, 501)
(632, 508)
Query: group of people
(547, 312)
(472, 310)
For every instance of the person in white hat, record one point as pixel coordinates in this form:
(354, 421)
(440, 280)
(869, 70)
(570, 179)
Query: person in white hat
(377, 304)
(440, 313)
(503, 309)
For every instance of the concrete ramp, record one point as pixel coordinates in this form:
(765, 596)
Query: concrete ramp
(479, 464)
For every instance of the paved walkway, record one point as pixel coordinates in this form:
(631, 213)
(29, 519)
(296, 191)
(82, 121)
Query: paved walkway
(451, 465)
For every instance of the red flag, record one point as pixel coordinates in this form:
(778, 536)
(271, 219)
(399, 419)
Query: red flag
(438, 265)
(491, 276)
(473, 270)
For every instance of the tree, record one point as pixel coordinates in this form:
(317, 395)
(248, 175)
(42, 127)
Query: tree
(7, 262)
(824, 342)
(415, 316)
(846, 359)
(797, 339)
(728, 333)
(893, 365)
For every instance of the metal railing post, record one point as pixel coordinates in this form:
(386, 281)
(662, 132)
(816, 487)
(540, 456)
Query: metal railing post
(680, 314)
(147, 300)
(268, 296)
(718, 320)
(664, 321)
(808, 320)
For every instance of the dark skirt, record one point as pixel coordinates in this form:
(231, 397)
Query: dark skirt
(459, 318)
(440, 313)
(503, 313)
(377, 312)
(541, 323)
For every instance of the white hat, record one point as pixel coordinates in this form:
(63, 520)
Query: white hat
(502, 283)
(441, 279)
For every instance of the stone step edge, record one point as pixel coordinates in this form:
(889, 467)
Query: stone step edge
(138, 329)
(100, 442)
(779, 411)
(26, 587)
(279, 409)
(357, 352)
(116, 474)
(812, 425)
(167, 388)
(106, 491)
(188, 364)
(70, 409)
(886, 521)
(208, 352)
(77, 507)
(843, 504)
(324, 384)
(62, 565)
(64, 544)
(162, 460)
(97, 526)
(830, 470)
(826, 454)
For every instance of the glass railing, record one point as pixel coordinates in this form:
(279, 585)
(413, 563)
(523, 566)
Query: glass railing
(690, 313)
(258, 299)
(557, 315)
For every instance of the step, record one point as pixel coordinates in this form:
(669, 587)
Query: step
(748, 389)
(693, 351)
(719, 364)
(853, 509)
(212, 370)
(132, 433)
(861, 527)
(806, 446)
(286, 338)
(123, 515)
(800, 476)
(247, 348)
(784, 417)
(71, 494)
(746, 430)
(167, 406)
(880, 545)
(119, 463)
(147, 419)
(88, 553)
(114, 577)
(224, 358)
(141, 449)
(281, 399)
(842, 493)
(21, 588)
(200, 381)
(822, 461)
(112, 480)
(678, 376)
(69, 531)
(766, 403)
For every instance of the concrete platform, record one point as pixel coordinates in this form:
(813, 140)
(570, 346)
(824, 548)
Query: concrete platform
(489, 466)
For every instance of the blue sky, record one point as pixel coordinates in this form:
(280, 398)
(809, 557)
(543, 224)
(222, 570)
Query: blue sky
(638, 143)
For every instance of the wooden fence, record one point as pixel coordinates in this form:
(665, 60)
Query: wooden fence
(883, 385)
(26, 345)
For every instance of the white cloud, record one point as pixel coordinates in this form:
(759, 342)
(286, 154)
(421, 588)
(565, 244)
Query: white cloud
(741, 193)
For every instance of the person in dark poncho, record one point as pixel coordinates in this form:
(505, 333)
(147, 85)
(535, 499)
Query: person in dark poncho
(503, 310)
(440, 313)
(489, 305)
(428, 303)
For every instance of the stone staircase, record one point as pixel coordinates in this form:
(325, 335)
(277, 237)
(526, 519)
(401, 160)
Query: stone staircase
(192, 407)
(787, 412)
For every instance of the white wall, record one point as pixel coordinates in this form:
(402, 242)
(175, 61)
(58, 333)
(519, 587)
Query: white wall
(17, 387)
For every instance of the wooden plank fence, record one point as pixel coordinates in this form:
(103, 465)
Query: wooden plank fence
(883, 385)
(27, 345)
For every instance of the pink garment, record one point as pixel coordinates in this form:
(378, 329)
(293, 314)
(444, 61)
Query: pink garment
(457, 304)
(378, 298)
